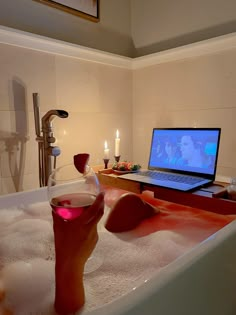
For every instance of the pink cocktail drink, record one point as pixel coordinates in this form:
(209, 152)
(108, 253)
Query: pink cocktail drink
(71, 206)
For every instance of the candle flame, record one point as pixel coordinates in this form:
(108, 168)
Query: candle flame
(117, 133)
(105, 145)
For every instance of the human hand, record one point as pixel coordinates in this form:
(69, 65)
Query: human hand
(76, 239)
(74, 243)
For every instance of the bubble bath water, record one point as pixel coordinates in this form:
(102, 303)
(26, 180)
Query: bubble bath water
(27, 260)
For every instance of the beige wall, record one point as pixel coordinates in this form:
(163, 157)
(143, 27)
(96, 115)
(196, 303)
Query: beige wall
(196, 92)
(97, 97)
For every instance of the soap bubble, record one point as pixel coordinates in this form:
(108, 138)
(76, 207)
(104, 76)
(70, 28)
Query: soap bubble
(27, 284)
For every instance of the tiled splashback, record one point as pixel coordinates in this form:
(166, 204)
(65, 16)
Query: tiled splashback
(100, 98)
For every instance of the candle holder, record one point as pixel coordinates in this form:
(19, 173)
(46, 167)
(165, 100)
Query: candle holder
(117, 158)
(106, 161)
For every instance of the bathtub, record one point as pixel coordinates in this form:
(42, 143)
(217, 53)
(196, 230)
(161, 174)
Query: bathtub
(201, 281)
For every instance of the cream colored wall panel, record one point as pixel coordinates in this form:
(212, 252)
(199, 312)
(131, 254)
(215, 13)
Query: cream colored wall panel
(18, 155)
(31, 158)
(101, 98)
(224, 174)
(87, 132)
(115, 90)
(10, 184)
(86, 129)
(202, 82)
(143, 123)
(13, 139)
(30, 182)
(15, 123)
(13, 159)
(92, 87)
(23, 72)
(7, 126)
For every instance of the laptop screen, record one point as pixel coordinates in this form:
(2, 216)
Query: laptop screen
(192, 150)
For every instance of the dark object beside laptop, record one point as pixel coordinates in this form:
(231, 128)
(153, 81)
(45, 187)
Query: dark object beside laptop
(181, 158)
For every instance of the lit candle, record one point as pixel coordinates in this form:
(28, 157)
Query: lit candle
(106, 151)
(117, 144)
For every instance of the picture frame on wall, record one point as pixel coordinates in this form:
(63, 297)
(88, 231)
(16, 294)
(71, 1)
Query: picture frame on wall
(88, 9)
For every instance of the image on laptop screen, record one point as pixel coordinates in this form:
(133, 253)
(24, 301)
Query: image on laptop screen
(189, 150)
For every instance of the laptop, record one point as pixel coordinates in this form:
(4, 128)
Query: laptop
(181, 158)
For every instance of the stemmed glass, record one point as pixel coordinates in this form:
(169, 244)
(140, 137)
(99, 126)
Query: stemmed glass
(70, 193)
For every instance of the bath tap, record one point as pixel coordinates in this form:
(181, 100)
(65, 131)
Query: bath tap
(50, 115)
(45, 149)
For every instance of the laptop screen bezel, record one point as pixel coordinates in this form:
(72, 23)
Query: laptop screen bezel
(165, 169)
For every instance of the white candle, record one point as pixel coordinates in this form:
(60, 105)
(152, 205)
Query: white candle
(106, 151)
(117, 144)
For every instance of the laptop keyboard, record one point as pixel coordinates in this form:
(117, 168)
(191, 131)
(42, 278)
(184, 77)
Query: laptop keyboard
(172, 177)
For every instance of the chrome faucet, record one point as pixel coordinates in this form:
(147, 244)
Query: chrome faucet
(45, 149)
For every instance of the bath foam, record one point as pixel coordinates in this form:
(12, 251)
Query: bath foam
(129, 264)
(29, 286)
(25, 240)
(39, 210)
(9, 215)
(27, 261)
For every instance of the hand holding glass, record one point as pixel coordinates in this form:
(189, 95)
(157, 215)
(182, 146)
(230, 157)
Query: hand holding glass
(71, 193)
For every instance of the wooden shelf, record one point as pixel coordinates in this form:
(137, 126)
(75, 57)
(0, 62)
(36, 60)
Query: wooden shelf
(202, 198)
(107, 177)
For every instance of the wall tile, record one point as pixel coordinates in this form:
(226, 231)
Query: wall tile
(87, 132)
(23, 72)
(203, 82)
(143, 123)
(97, 97)
(197, 92)
(11, 184)
(91, 87)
